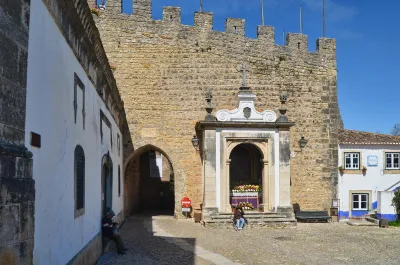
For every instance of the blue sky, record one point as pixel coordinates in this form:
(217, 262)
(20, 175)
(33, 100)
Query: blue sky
(367, 34)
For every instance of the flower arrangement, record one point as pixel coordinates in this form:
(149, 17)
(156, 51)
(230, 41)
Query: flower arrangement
(95, 11)
(246, 188)
(341, 169)
(245, 205)
(364, 169)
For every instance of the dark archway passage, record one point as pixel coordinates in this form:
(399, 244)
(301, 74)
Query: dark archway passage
(246, 168)
(149, 183)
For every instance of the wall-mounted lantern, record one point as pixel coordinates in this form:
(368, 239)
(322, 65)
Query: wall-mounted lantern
(303, 142)
(195, 142)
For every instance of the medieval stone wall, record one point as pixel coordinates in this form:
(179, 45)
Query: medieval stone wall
(164, 69)
(17, 188)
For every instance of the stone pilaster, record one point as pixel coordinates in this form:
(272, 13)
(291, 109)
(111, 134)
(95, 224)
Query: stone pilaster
(17, 188)
(266, 191)
(209, 152)
(284, 167)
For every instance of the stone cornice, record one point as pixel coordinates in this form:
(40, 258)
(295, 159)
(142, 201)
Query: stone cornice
(76, 23)
(229, 124)
(12, 149)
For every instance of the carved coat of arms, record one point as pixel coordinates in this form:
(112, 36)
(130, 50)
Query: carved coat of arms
(247, 112)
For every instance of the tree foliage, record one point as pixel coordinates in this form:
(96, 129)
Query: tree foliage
(396, 203)
(396, 130)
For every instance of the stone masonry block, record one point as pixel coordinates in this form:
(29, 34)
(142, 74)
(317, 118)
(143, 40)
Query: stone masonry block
(9, 59)
(326, 46)
(9, 225)
(14, 190)
(27, 220)
(172, 14)
(12, 10)
(24, 167)
(114, 6)
(15, 21)
(297, 42)
(7, 166)
(142, 8)
(266, 34)
(204, 20)
(17, 254)
(13, 104)
(235, 26)
(11, 134)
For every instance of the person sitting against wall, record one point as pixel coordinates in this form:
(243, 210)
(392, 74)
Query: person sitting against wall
(110, 231)
(238, 217)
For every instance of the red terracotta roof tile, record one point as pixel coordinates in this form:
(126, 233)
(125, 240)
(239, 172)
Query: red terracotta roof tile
(357, 137)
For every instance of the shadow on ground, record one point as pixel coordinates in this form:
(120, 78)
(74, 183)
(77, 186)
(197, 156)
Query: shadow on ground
(146, 245)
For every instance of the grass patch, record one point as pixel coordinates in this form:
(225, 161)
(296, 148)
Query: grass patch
(394, 223)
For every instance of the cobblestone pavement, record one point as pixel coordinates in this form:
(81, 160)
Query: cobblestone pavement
(328, 243)
(146, 248)
(163, 240)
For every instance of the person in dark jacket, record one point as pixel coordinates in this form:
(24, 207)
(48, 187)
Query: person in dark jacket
(109, 229)
(238, 217)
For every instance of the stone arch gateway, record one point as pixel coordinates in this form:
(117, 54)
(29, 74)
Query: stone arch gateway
(149, 182)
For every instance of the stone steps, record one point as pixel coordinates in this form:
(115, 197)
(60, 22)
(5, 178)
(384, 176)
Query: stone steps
(255, 219)
(249, 217)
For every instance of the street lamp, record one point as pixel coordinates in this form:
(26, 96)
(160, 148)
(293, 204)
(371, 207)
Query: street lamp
(303, 142)
(195, 142)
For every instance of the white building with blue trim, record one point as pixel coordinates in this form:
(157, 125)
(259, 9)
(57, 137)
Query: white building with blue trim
(369, 174)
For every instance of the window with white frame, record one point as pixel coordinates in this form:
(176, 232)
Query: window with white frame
(351, 160)
(360, 201)
(392, 160)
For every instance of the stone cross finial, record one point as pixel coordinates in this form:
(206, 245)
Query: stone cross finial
(244, 69)
(209, 95)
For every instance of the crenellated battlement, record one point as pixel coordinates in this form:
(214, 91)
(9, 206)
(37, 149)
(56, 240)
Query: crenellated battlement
(203, 21)
(172, 14)
(266, 34)
(235, 26)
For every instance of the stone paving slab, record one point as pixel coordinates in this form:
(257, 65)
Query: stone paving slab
(360, 223)
(309, 243)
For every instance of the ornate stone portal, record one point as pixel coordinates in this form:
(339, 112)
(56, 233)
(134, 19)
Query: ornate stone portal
(245, 127)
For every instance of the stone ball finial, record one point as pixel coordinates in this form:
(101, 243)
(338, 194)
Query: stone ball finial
(282, 117)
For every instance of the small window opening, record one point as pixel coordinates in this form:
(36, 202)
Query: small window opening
(298, 45)
(79, 172)
(119, 181)
(171, 18)
(235, 30)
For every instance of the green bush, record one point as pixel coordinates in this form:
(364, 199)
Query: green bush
(396, 203)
